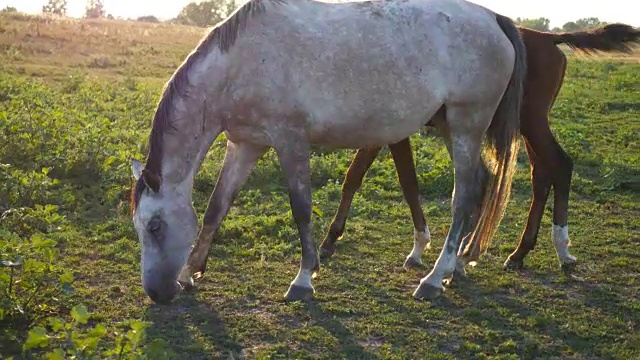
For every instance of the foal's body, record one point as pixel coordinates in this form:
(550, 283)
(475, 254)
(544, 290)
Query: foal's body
(287, 74)
(550, 164)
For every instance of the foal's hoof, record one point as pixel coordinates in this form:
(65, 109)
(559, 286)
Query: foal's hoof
(297, 292)
(510, 264)
(412, 263)
(426, 291)
(326, 252)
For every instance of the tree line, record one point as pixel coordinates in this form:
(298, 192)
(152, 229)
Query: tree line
(542, 24)
(210, 12)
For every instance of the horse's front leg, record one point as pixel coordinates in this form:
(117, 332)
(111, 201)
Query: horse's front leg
(239, 160)
(293, 154)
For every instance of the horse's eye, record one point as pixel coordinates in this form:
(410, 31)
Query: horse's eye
(154, 225)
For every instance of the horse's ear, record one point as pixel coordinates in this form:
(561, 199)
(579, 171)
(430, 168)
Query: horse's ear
(136, 168)
(151, 180)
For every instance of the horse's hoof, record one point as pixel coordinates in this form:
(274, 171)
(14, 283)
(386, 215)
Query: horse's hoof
(568, 265)
(426, 291)
(186, 283)
(510, 264)
(326, 252)
(412, 263)
(459, 274)
(185, 279)
(296, 293)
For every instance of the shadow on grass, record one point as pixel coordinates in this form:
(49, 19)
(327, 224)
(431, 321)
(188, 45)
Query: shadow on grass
(503, 312)
(187, 333)
(350, 348)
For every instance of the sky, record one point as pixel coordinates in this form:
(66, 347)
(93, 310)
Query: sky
(558, 11)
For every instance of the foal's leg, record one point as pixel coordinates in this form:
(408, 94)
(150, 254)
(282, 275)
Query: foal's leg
(294, 159)
(550, 165)
(541, 185)
(560, 227)
(239, 159)
(403, 159)
(352, 182)
(466, 146)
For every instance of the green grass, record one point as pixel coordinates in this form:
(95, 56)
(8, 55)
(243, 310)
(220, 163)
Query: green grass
(85, 129)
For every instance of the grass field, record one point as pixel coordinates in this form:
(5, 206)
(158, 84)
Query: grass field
(77, 98)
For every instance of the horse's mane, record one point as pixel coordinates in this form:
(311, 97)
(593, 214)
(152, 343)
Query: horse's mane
(223, 36)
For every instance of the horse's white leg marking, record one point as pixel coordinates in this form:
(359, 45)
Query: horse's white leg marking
(294, 154)
(560, 236)
(421, 241)
(303, 279)
(467, 194)
(445, 264)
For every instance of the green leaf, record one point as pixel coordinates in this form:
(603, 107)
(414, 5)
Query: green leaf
(108, 161)
(56, 323)
(37, 337)
(139, 325)
(80, 314)
(56, 354)
(317, 211)
(99, 331)
(67, 289)
(39, 241)
(66, 278)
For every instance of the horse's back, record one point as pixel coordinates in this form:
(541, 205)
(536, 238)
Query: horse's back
(359, 66)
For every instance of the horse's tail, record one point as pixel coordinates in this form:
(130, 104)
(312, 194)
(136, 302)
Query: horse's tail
(607, 38)
(503, 141)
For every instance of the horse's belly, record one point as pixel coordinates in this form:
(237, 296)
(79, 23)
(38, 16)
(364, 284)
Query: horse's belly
(368, 131)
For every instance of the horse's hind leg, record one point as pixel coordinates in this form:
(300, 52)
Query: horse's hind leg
(550, 165)
(294, 158)
(403, 159)
(439, 121)
(239, 159)
(560, 227)
(469, 182)
(352, 181)
(541, 185)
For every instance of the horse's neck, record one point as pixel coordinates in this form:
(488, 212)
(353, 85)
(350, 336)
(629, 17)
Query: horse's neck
(184, 151)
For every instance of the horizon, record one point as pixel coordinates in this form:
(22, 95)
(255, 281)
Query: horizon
(558, 12)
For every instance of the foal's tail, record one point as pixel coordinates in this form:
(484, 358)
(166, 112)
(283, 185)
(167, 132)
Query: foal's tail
(503, 141)
(607, 38)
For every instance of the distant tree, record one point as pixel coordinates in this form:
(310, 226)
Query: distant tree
(540, 24)
(9, 9)
(589, 23)
(95, 9)
(556, 30)
(570, 26)
(57, 7)
(148, 18)
(583, 24)
(205, 13)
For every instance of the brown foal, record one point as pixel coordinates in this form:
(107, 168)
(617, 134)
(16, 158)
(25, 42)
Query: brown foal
(549, 163)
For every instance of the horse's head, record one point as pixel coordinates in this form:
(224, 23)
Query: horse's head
(166, 223)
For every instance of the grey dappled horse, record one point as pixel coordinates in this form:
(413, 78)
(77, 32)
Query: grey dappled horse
(290, 73)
